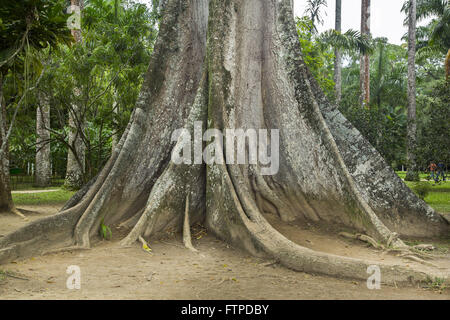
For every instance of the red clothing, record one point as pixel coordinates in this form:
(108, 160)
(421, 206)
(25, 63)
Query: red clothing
(432, 167)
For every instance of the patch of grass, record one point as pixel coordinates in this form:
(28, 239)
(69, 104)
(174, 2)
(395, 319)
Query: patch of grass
(105, 231)
(438, 196)
(439, 201)
(402, 174)
(421, 189)
(437, 284)
(57, 197)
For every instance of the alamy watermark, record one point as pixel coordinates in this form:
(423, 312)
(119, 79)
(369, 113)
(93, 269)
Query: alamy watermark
(374, 281)
(242, 147)
(74, 280)
(74, 21)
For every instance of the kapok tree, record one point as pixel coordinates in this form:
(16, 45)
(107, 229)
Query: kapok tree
(229, 65)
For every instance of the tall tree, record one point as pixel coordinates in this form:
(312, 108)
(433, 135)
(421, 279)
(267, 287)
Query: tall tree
(364, 73)
(412, 173)
(6, 202)
(437, 38)
(314, 11)
(43, 171)
(337, 54)
(26, 27)
(77, 152)
(241, 67)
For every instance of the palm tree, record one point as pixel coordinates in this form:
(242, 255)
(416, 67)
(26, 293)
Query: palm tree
(337, 54)
(365, 60)
(438, 39)
(26, 28)
(347, 42)
(43, 162)
(313, 10)
(412, 174)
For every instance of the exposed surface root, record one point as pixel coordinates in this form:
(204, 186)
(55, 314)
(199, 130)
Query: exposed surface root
(412, 253)
(424, 247)
(66, 249)
(417, 259)
(187, 228)
(20, 214)
(145, 245)
(363, 238)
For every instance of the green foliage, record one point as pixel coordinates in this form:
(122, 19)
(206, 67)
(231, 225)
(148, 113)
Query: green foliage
(26, 24)
(439, 27)
(351, 40)
(434, 124)
(105, 231)
(438, 197)
(436, 283)
(318, 59)
(102, 76)
(421, 189)
(56, 197)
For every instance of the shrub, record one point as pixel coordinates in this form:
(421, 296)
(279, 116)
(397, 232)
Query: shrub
(421, 189)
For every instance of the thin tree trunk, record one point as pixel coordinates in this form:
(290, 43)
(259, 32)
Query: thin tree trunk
(115, 137)
(412, 174)
(447, 66)
(338, 55)
(6, 203)
(43, 161)
(364, 74)
(75, 171)
(75, 161)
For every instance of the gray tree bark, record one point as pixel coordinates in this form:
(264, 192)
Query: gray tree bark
(412, 173)
(364, 74)
(76, 154)
(43, 161)
(242, 70)
(338, 55)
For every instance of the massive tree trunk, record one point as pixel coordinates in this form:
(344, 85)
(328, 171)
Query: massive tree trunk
(412, 174)
(364, 73)
(338, 55)
(249, 74)
(77, 153)
(43, 162)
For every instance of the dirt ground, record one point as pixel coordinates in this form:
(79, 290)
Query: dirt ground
(218, 271)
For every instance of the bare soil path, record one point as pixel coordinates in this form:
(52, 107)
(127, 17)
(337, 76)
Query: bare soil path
(34, 191)
(109, 271)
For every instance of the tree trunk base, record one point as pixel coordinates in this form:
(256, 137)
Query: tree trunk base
(249, 75)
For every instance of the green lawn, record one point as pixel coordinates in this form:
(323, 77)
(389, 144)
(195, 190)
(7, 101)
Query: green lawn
(439, 196)
(57, 197)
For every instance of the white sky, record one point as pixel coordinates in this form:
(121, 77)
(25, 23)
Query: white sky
(386, 17)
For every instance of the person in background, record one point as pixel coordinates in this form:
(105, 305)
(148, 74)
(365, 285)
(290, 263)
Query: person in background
(432, 168)
(440, 171)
